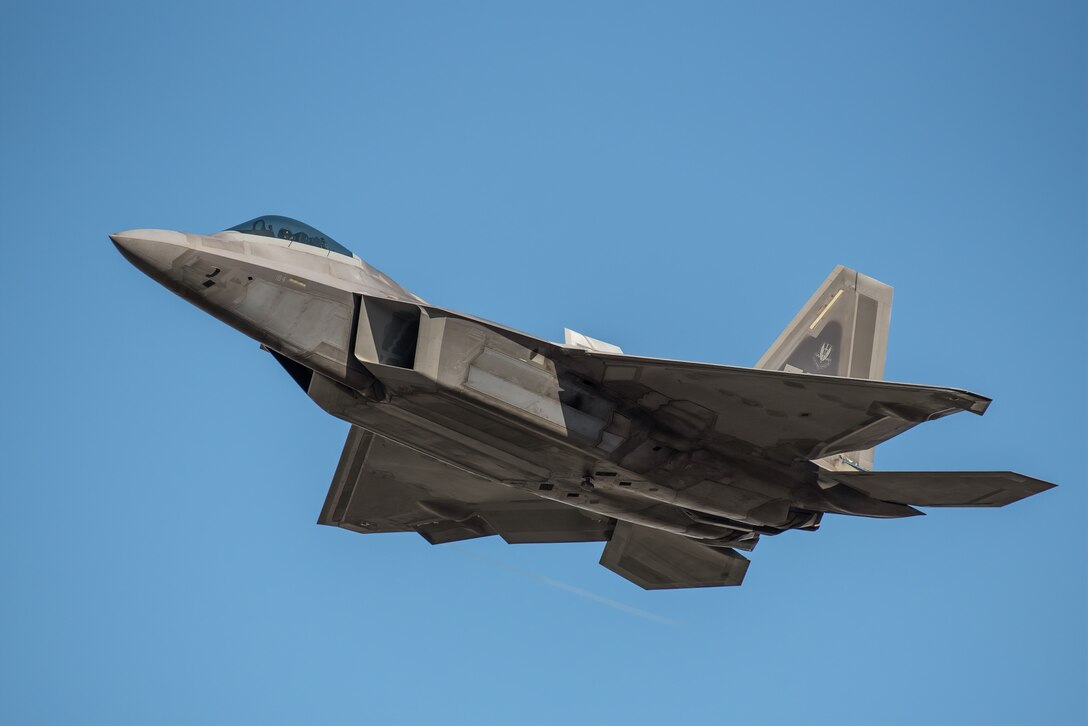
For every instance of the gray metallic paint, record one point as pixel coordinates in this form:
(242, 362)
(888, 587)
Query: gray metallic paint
(464, 428)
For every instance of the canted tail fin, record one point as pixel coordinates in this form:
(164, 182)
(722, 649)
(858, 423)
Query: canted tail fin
(841, 331)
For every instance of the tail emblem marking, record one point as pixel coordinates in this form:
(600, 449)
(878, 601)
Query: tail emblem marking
(823, 358)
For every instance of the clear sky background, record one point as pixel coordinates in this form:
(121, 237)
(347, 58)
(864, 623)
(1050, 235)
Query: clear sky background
(676, 178)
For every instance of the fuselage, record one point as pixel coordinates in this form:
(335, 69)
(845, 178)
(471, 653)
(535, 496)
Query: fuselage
(486, 399)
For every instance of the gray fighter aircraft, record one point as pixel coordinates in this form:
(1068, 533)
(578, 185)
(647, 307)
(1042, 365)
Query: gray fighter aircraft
(463, 428)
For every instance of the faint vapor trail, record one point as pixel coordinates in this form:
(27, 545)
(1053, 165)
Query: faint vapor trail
(644, 614)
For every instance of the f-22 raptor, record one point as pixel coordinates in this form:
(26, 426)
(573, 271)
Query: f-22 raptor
(464, 428)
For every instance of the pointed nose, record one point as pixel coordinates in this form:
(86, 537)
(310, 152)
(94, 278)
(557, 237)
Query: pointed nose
(153, 251)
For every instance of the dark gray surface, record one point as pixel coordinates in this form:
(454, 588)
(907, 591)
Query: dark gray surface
(944, 488)
(381, 486)
(657, 560)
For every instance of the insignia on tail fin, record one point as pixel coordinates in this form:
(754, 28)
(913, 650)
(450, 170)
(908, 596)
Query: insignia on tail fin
(841, 331)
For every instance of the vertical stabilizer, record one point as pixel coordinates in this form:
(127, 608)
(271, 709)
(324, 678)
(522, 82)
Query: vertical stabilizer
(841, 331)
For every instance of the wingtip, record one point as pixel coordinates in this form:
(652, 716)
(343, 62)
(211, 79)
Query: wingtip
(979, 404)
(973, 402)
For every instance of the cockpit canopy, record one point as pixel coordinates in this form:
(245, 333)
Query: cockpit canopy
(271, 225)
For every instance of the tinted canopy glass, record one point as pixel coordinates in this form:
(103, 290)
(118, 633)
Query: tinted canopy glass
(292, 230)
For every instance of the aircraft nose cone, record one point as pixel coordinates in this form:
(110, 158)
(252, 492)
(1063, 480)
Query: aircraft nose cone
(153, 251)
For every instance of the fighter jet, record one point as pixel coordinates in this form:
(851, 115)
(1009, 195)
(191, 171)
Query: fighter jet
(464, 428)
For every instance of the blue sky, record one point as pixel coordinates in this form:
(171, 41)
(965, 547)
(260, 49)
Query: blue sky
(676, 178)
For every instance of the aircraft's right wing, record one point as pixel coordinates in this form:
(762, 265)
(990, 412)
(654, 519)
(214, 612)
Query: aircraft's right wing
(381, 486)
(790, 415)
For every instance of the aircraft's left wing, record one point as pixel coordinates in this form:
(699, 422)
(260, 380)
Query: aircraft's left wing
(381, 486)
(790, 415)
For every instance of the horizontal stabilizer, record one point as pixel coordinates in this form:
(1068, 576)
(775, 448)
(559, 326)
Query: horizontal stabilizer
(657, 560)
(944, 488)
